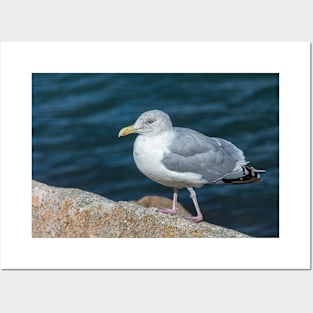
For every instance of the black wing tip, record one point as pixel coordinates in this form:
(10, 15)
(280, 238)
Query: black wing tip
(252, 176)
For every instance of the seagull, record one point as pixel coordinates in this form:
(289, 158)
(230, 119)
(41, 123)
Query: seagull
(184, 158)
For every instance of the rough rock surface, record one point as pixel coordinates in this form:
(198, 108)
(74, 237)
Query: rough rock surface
(162, 202)
(67, 212)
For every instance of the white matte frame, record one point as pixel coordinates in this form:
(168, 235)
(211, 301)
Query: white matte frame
(290, 251)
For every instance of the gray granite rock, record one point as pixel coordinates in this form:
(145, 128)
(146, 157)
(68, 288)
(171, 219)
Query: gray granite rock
(68, 213)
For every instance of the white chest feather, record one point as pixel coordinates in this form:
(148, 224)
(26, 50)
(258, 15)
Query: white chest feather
(148, 154)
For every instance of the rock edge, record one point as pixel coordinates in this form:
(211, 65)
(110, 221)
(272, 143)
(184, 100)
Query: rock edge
(74, 213)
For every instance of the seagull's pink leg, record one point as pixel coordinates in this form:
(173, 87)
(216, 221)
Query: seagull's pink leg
(198, 217)
(173, 210)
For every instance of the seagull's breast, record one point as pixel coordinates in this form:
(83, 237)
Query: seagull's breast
(148, 154)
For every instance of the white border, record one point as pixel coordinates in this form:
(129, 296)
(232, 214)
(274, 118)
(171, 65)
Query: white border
(290, 251)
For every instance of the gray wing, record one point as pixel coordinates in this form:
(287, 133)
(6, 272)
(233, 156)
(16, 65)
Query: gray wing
(191, 151)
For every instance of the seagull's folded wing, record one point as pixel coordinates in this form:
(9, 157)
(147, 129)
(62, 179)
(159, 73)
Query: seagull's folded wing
(213, 158)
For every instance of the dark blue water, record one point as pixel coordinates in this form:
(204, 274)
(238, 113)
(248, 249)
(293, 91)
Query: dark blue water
(76, 119)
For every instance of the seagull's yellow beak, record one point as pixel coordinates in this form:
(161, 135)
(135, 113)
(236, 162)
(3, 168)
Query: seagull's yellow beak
(127, 130)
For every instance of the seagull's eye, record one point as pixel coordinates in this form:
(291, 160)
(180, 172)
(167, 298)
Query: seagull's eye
(150, 121)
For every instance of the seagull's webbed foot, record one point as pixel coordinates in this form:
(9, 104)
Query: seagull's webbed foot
(166, 211)
(173, 210)
(196, 219)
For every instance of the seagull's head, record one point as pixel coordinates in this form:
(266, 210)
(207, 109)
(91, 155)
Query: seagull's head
(151, 122)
